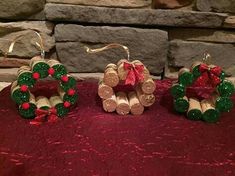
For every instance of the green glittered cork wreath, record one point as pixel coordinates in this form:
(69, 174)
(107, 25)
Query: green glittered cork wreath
(41, 108)
(200, 77)
(31, 107)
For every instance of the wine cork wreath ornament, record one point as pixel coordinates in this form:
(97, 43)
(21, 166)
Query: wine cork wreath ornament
(125, 72)
(203, 75)
(42, 108)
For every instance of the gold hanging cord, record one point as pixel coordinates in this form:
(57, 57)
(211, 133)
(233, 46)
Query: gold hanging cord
(39, 44)
(110, 46)
(207, 58)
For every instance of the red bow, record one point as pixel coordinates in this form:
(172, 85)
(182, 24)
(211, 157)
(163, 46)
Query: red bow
(135, 73)
(209, 75)
(49, 115)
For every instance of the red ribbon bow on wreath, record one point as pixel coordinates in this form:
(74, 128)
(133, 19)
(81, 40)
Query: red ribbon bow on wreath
(49, 115)
(135, 73)
(209, 75)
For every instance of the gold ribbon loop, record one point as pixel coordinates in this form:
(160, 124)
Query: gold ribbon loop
(207, 58)
(40, 44)
(110, 46)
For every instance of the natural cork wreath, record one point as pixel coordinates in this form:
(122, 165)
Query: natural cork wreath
(42, 108)
(126, 72)
(202, 75)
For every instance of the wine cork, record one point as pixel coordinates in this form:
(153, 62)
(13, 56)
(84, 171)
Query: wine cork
(121, 61)
(55, 100)
(136, 107)
(207, 104)
(211, 66)
(111, 77)
(146, 71)
(145, 99)
(13, 86)
(32, 99)
(23, 69)
(113, 66)
(196, 63)
(122, 73)
(182, 71)
(42, 102)
(214, 97)
(194, 104)
(110, 104)
(61, 92)
(123, 107)
(105, 91)
(35, 60)
(53, 62)
(148, 86)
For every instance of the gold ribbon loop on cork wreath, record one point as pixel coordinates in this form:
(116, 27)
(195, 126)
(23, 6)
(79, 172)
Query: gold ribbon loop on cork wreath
(125, 72)
(42, 109)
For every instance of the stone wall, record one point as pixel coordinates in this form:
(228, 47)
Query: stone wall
(166, 34)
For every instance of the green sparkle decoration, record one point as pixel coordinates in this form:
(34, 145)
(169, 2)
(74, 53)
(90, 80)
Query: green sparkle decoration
(186, 79)
(196, 73)
(178, 91)
(194, 114)
(211, 115)
(70, 98)
(60, 70)
(70, 84)
(61, 110)
(41, 67)
(20, 97)
(181, 105)
(225, 88)
(224, 104)
(29, 113)
(26, 78)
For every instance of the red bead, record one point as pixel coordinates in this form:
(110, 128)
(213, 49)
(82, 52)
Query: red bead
(25, 106)
(23, 88)
(65, 78)
(71, 92)
(67, 104)
(36, 75)
(51, 71)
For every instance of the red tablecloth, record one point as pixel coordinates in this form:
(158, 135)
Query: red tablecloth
(90, 142)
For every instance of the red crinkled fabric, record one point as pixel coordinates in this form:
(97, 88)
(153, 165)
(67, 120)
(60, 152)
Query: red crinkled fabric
(90, 142)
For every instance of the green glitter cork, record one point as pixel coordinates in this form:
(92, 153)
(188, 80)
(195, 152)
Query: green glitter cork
(40, 66)
(43, 103)
(195, 69)
(194, 110)
(225, 88)
(58, 69)
(210, 114)
(71, 83)
(223, 104)
(18, 95)
(181, 104)
(27, 110)
(185, 77)
(177, 90)
(25, 76)
(58, 103)
(70, 96)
